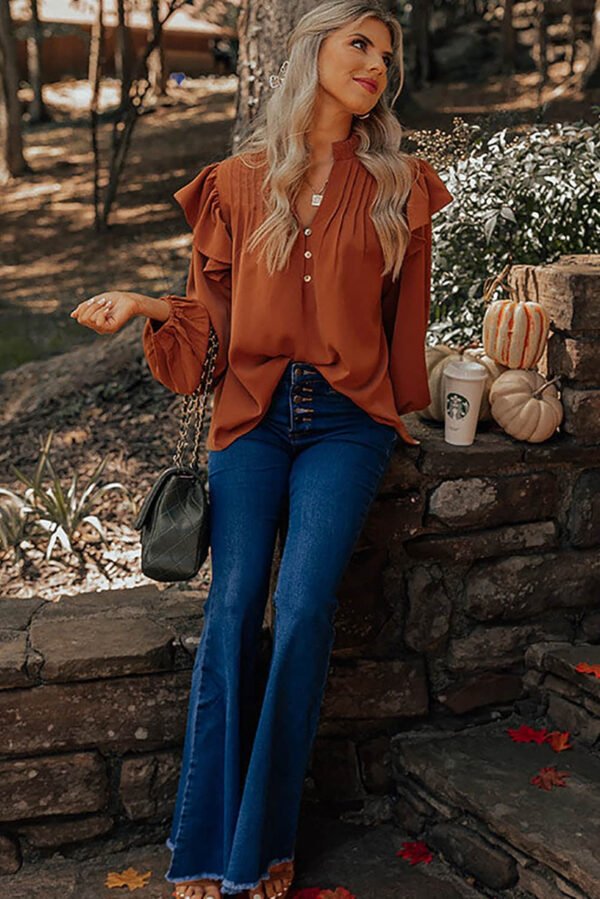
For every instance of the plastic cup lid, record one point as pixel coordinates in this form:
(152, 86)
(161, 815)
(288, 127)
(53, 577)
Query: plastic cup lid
(467, 369)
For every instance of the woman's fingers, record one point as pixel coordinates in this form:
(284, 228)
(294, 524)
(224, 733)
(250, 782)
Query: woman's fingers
(100, 311)
(106, 313)
(83, 311)
(96, 313)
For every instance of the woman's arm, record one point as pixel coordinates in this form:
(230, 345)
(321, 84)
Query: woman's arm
(152, 307)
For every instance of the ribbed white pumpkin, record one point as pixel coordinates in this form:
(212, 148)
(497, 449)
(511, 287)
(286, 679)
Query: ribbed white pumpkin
(525, 405)
(437, 357)
(515, 333)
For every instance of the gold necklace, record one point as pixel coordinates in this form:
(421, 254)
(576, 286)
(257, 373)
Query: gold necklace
(317, 195)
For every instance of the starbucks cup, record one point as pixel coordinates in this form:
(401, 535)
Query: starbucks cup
(463, 390)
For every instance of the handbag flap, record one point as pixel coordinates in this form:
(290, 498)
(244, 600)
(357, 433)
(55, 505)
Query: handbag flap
(155, 490)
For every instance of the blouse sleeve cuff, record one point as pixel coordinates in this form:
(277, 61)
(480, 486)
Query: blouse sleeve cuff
(176, 350)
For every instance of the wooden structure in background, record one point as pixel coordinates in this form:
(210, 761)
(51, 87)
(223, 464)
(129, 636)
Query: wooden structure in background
(67, 28)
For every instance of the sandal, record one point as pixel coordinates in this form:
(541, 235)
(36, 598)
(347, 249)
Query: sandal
(282, 871)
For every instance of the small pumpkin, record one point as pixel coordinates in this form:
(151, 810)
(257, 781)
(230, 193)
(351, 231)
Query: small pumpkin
(515, 332)
(525, 405)
(437, 357)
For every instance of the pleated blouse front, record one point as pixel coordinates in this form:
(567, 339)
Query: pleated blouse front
(330, 306)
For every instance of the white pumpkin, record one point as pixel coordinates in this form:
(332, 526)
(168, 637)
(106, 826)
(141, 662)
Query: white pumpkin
(515, 332)
(437, 357)
(525, 405)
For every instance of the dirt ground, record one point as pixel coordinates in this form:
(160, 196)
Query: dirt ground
(52, 259)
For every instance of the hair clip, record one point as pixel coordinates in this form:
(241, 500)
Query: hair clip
(277, 80)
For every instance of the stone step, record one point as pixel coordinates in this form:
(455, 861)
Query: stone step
(329, 854)
(469, 796)
(570, 698)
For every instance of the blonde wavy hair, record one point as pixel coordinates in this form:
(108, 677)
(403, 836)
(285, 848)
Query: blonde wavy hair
(280, 127)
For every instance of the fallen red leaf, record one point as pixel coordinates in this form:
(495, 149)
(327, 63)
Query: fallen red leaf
(559, 740)
(586, 668)
(128, 878)
(416, 852)
(549, 777)
(526, 734)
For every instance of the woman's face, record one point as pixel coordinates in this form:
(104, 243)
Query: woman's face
(360, 50)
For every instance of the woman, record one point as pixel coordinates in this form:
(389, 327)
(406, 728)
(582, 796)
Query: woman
(299, 240)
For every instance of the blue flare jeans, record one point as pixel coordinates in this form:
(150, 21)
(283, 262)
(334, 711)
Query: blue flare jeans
(319, 459)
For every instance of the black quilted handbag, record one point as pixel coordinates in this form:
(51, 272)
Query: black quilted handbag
(174, 519)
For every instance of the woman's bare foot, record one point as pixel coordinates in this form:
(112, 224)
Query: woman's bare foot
(197, 889)
(277, 885)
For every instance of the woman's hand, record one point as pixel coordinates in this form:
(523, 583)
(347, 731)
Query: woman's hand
(106, 312)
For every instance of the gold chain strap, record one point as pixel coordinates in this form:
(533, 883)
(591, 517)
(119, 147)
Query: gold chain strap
(196, 402)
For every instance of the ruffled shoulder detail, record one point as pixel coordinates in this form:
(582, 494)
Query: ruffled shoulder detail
(428, 195)
(203, 211)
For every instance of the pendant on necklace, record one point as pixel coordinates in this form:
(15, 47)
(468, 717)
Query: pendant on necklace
(316, 199)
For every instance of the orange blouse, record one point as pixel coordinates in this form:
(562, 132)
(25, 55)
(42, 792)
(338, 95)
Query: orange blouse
(330, 307)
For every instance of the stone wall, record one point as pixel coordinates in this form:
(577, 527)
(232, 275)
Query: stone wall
(469, 555)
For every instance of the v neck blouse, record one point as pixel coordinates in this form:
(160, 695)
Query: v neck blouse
(330, 307)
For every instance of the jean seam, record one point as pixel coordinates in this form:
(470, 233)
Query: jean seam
(185, 797)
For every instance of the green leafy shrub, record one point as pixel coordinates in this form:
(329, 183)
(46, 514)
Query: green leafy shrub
(519, 197)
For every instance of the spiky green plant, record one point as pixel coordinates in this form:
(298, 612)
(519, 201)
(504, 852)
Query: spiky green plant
(58, 512)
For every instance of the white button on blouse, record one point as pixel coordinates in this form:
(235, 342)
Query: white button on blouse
(307, 277)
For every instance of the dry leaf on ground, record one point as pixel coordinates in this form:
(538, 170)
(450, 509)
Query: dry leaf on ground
(416, 852)
(586, 668)
(549, 777)
(128, 878)
(526, 734)
(559, 740)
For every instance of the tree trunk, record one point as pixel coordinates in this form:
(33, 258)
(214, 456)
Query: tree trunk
(96, 52)
(124, 123)
(37, 107)
(5, 173)
(12, 160)
(571, 13)
(508, 38)
(591, 76)
(123, 52)
(94, 75)
(542, 46)
(420, 28)
(156, 60)
(262, 30)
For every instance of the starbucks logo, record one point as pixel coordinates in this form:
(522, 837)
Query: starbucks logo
(457, 405)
